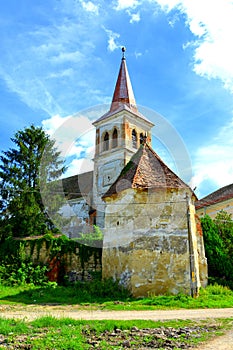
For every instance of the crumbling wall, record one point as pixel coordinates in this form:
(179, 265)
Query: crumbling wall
(146, 241)
(77, 261)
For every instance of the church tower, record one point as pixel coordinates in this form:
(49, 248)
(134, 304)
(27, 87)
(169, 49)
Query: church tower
(119, 134)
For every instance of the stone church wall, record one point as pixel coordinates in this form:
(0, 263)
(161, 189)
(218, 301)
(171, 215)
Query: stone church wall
(147, 242)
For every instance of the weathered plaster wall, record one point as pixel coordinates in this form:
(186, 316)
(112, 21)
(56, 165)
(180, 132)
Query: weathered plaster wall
(76, 214)
(146, 241)
(202, 260)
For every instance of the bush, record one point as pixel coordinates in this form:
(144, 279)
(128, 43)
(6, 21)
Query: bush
(25, 273)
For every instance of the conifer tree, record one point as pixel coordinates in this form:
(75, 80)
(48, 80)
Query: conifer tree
(21, 206)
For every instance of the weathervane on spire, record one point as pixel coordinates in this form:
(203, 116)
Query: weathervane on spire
(123, 49)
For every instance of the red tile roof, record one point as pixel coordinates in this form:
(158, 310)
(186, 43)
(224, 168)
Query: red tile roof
(220, 195)
(123, 93)
(145, 170)
(123, 96)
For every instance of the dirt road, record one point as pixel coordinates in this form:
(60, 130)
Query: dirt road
(32, 312)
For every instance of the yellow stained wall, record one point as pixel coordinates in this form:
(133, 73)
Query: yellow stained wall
(146, 241)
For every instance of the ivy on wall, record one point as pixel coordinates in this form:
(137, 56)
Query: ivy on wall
(14, 252)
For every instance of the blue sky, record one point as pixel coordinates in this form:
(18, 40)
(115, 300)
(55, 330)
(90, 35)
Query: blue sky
(60, 57)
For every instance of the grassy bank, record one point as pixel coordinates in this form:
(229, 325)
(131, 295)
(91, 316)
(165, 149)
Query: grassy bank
(50, 333)
(106, 297)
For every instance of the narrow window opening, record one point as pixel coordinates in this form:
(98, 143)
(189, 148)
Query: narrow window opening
(141, 138)
(114, 139)
(134, 139)
(106, 142)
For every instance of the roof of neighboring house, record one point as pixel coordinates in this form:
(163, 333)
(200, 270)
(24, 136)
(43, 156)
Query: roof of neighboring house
(220, 195)
(145, 170)
(78, 185)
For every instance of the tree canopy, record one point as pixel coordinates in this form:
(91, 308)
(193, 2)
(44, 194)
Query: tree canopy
(22, 173)
(218, 239)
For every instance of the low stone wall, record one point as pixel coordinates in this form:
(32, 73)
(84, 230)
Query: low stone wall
(77, 261)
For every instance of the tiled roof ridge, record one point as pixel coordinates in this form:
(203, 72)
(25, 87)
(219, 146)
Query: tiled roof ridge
(165, 165)
(136, 175)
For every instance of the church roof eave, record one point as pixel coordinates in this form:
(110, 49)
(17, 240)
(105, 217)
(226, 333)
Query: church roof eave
(222, 194)
(121, 108)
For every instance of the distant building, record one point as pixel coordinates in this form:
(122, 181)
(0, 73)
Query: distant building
(222, 199)
(147, 213)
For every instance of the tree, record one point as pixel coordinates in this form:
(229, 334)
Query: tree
(218, 239)
(23, 211)
(224, 223)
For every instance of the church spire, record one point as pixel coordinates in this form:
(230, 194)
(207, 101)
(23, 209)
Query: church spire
(123, 93)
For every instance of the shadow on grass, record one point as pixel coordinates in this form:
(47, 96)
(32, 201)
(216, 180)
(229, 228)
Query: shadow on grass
(80, 293)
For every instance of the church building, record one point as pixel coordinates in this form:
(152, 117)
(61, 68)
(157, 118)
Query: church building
(146, 212)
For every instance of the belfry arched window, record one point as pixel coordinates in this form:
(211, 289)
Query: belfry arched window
(106, 142)
(114, 138)
(134, 139)
(141, 138)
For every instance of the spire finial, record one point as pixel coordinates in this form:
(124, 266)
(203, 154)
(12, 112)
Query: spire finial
(123, 49)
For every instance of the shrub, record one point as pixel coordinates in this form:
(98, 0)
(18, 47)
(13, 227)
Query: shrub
(25, 273)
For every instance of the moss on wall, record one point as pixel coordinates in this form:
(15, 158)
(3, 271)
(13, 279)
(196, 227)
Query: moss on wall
(60, 254)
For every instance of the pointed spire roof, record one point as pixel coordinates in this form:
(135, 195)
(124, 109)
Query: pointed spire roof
(123, 93)
(145, 170)
(123, 96)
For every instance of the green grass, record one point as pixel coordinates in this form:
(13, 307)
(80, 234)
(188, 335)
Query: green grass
(51, 333)
(213, 296)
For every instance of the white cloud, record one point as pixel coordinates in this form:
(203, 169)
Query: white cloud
(214, 162)
(90, 7)
(43, 58)
(31, 89)
(50, 125)
(125, 4)
(75, 139)
(62, 57)
(211, 22)
(129, 5)
(135, 17)
(167, 5)
(78, 166)
(112, 38)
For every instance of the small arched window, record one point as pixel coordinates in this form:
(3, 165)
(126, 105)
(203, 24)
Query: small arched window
(141, 138)
(106, 142)
(134, 139)
(114, 138)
